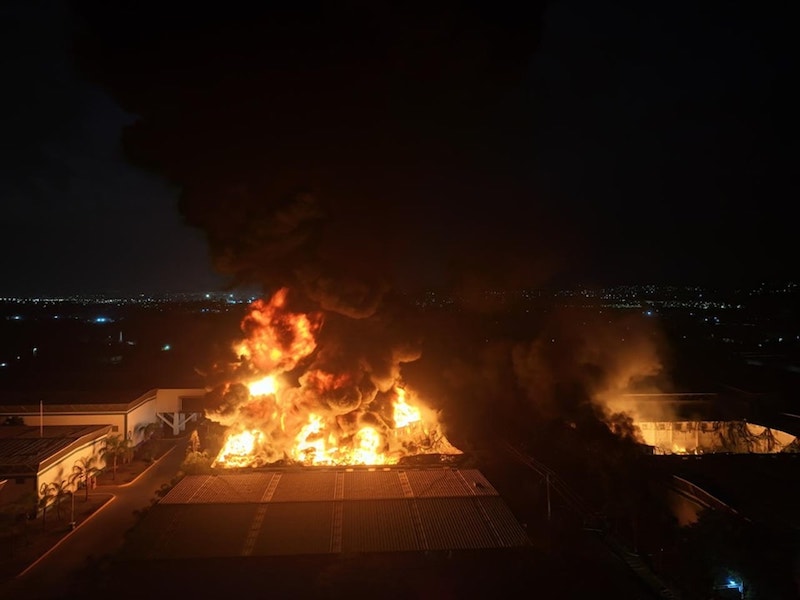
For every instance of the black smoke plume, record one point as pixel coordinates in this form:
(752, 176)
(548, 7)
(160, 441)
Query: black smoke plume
(350, 150)
(333, 147)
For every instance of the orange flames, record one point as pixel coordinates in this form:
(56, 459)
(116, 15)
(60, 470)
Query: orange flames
(316, 417)
(277, 339)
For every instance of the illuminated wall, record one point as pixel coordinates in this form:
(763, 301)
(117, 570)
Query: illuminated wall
(705, 437)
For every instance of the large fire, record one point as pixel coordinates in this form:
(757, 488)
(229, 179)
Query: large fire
(315, 417)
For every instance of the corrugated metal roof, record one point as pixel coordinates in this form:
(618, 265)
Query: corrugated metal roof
(452, 523)
(224, 489)
(437, 483)
(25, 449)
(301, 485)
(324, 511)
(378, 526)
(363, 485)
(290, 528)
(61, 401)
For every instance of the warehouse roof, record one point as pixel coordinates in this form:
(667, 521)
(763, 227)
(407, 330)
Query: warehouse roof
(300, 511)
(26, 450)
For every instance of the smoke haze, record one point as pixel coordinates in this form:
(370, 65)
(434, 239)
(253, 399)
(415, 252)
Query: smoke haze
(351, 152)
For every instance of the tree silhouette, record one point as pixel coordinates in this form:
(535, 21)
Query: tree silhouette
(194, 441)
(113, 447)
(60, 491)
(197, 463)
(46, 494)
(148, 430)
(83, 469)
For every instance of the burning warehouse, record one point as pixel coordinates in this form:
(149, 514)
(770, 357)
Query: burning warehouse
(332, 471)
(293, 401)
(329, 195)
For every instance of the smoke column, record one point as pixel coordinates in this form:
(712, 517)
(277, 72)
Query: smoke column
(350, 151)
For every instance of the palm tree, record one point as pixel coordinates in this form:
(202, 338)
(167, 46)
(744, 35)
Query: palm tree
(148, 430)
(46, 494)
(60, 491)
(83, 469)
(113, 447)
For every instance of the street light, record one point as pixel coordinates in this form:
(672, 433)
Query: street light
(733, 584)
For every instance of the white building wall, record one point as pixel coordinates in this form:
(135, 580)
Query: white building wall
(168, 400)
(62, 470)
(115, 419)
(682, 437)
(140, 416)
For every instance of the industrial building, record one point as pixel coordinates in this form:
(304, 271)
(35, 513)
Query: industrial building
(165, 405)
(45, 436)
(31, 457)
(339, 532)
(321, 511)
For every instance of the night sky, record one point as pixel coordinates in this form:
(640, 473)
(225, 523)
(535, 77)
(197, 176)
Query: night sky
(353, 146)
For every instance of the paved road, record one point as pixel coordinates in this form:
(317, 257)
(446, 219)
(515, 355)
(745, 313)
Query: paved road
(102, 534)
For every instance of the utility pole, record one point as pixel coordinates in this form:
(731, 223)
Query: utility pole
(547, 484)
(72, 514)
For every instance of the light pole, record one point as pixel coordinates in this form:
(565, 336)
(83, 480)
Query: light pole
(72, 515)
(547, 484)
